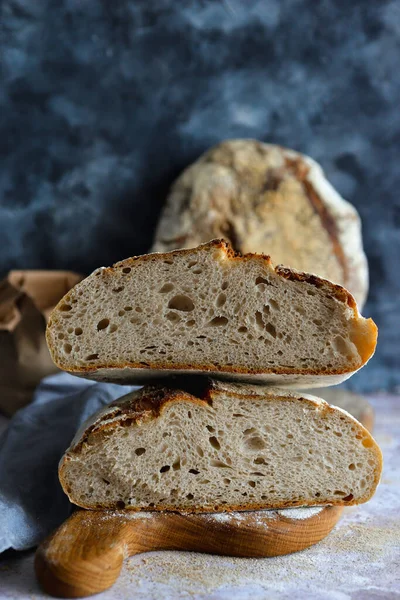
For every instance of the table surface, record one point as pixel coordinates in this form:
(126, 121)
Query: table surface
(359, 560)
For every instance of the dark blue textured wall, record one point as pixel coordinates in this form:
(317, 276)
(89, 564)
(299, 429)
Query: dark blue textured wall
(103, 103)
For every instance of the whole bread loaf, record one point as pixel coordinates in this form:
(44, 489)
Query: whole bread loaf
(208, 310)
(267, 199)
(220, 447)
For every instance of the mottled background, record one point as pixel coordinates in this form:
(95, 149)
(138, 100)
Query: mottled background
(103, 103)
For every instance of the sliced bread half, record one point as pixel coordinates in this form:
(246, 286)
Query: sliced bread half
(221, 448)
(211, 310)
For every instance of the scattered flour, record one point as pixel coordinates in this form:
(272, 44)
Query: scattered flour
(300, 513)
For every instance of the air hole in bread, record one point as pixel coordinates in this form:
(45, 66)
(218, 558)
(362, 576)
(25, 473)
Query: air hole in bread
(67, 348)
(103, 324)
(165, 468)
(126, 270)
(120, 504)
(214, 443)
(182, 303)
(167, 287)
(273, 303)
(78, 331)
(242, 329)
(259, 320)
(194, 471)
(254, 443)
(252, 484)
(339, 344)
(221, 299)
(218, 322)
(118, 289)
(249, 431)
(348, 498)
(140, 451)
(200, 451)
(128, 308)
(173, 317)
(339, 493)
(189, 496)
(70, 329)
(60, 336)
(262, 280)
(224, 285)
(271, 329)
(219, 464)
(65, 307)
(92, 357)
(177, 464)
(197, 271)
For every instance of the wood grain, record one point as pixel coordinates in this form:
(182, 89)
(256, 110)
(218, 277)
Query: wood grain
(85, 555)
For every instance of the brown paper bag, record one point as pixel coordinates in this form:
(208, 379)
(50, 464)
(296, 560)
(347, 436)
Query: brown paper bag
(26, 300)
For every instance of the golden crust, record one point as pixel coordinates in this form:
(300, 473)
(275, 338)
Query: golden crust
(149, 403)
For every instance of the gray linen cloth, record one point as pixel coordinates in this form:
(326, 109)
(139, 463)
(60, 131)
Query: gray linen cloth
(32, 502)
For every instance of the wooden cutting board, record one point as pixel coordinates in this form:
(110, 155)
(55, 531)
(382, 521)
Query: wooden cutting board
(85, 555)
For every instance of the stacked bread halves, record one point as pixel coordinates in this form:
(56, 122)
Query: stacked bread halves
(209, 332)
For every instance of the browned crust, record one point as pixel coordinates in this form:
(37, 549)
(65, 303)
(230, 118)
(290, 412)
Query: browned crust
(334, 290)
(150, 402)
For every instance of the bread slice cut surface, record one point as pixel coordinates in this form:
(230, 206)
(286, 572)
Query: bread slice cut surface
(228, 447)
(209, 310)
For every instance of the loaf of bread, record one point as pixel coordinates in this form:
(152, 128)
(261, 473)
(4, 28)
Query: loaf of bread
(209, 310)
(267, 199)
(220, 447)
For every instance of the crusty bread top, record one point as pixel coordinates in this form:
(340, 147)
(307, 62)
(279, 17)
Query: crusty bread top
(72, 317)
(266, 198)
(148, 403)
